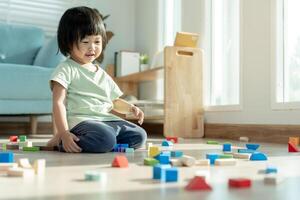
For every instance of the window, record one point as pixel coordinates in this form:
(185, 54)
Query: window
(223, 54)
(171, 14)
(41, 13)
(287, 56)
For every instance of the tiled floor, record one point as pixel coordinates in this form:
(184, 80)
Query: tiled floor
(64, 177)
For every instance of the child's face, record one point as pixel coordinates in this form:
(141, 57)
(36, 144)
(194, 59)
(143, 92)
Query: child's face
(87, 50)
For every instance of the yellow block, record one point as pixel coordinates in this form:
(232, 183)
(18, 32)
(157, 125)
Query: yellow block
(153, 151)
(294, 140)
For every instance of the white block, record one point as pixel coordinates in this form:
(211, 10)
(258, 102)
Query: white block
(19, 172)
(244, 139)
(24, 163)
(188, 160)
(203, 162)
(176, 162)
(39, 166)
(242, 155)
(225, 162)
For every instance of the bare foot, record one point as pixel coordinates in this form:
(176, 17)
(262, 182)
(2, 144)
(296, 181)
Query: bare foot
(53, 141)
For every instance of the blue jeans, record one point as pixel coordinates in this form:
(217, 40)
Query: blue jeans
(101, 136)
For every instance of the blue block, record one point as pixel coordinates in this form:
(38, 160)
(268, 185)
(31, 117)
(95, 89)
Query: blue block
(252, 146)
(258, 156)
(270, 170)
(166, 143)
(124, 145)
(226, 147)
(163, 158)
(212, 157)
(176, 154)
(246, 151)
(158, 170)
(6, 157)
(169, 175)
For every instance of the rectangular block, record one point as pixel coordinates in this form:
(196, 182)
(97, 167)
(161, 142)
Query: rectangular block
(6, 157)
(32, 149)
(203, 162)
(225, 162)
(245, 156)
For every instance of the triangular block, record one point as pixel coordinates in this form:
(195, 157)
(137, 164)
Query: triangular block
(120, 161)
(258, 156)
(198, 183)
(292, 147)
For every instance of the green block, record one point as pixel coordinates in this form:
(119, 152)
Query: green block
(22, 138)
(31, 149)
(150, 161)
(226, 156)
(4, 147)
(129, 150)
(212, 142)
(92, 176)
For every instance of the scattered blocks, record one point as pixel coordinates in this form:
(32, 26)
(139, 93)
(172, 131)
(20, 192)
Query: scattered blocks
(13, 138)
(120, 161)
(169, 175)
(257, 156)
(176, 154)
(166, 143)
(225, 162)
(292, 148)
(239, 183)
(153, 151)
(294, 140)
(172, 139)
(198, 183)
(158, 170)
(31, 149)
(252, 146)
(212, 157)
(6, 157)
(212, 142)
(227, 147)
(92, 176)
(150, 161)
(188, 161)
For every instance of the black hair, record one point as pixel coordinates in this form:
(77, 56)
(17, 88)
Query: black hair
(77, 23)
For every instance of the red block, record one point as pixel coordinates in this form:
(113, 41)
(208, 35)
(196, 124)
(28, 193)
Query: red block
(120, 161)
(239, 182)
(172, 139)
(198, 183)
(292, 147)
(13, 138)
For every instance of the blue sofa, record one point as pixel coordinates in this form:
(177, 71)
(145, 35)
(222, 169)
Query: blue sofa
(26, 63)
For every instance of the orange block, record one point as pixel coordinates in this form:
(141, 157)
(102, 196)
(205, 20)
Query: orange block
(294, 140)
(120, 161)
(292, 147)
(198, 183)
(13, 138)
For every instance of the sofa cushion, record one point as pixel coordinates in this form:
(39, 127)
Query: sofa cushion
(24, 82)
(48, 55)
(19, 44)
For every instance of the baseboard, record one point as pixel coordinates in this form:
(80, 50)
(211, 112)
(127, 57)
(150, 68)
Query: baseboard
(256, 133)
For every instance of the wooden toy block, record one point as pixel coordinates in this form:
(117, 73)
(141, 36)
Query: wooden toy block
(92, 176)
(19, 172)
(252, 146)
(6, 157)
(203, 162)
(244, 139)
(172, 139)
(176, 162)
(22, 138)
(188, 161)
(27, 143)
(122, 106)
(246, 151)
(185, 39)
(257, 156)
(292, 148)
(225, 156)
(4, 147)
(129, 150)
(227, 147)
(6, 166)
(271, 170)
(166, 143)
(242, 155)
(176, 154)
(39, 166)
(203, 173)
(163, 158)
(149, 144)
(158, 170)
(212, 142)
(239, 183)
(198, 183)
(169, 175)
(225, 162)
(273, 179)
(294, 140)
(24, 163)
(150, 161)
(31, 149)
(153, 151)
(12, 146)
(212, 157)
(120, 161)
(13, 138)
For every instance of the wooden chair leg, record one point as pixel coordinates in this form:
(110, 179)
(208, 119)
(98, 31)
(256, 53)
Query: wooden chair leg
(33, 124)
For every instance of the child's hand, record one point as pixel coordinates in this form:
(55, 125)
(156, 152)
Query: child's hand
(69, 144)
(138, 113)
(54, 141)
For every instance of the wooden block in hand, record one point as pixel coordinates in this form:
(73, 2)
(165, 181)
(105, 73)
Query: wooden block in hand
(122, 106)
